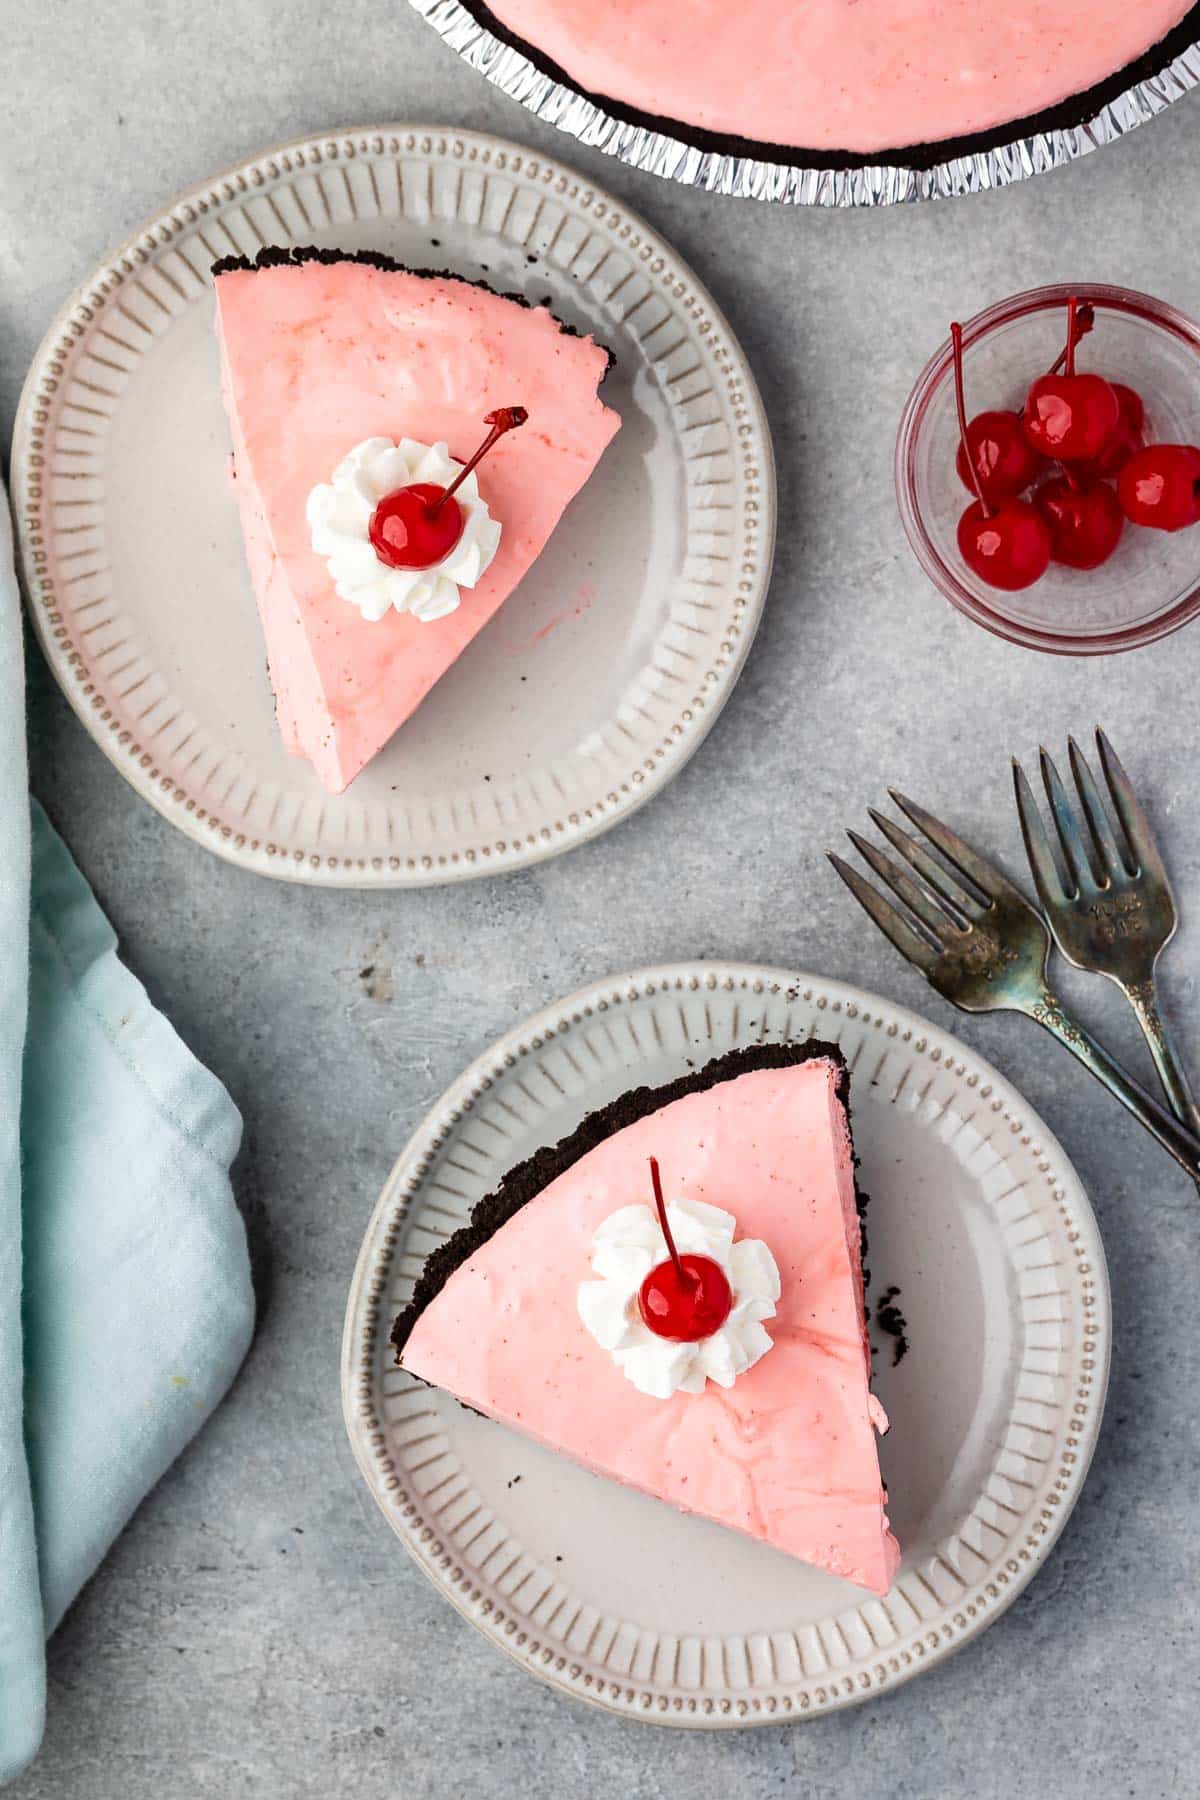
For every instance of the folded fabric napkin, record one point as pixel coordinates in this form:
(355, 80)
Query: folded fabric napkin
(125, 1298)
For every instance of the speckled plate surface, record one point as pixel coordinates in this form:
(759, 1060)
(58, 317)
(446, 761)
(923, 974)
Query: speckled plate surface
(596, 680)
(976, 1216)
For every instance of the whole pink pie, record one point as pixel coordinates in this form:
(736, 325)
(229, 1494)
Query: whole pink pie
(840, 80)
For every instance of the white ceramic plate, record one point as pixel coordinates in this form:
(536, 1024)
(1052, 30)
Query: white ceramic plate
(976, 1215)
(595, 681)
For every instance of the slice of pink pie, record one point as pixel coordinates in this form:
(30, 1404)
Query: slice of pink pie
(768, 1425)
(325, 354)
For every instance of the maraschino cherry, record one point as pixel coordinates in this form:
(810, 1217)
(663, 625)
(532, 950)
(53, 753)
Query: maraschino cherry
(1160, 486)
(415, 527)
(1005, 544)
(1129, 436)
(687, 1298)
(1084, 518)
(418, 526)
(1004, 459)
(1071, 417)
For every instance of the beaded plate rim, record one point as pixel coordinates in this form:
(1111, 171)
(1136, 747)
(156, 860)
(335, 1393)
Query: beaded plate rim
(654, 763)
(833, 1004)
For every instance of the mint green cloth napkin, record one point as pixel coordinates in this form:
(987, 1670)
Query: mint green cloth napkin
(125, 1298)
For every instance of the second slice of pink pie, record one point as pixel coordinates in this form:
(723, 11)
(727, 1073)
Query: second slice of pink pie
(768, 1425)
(323, 353)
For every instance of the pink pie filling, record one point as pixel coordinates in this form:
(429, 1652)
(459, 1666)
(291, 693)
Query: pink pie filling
(788, 1454)
(317, 357)
(858, 75)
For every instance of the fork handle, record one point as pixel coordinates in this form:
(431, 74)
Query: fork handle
(1182, 1144)
(1143, 997)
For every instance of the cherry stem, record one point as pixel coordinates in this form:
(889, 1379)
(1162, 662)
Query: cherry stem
(956, 340)
(1085, 319)
(505, 418)
(682, 1275)
(1072, 333)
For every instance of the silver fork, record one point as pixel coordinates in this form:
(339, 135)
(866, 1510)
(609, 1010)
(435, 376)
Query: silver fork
(981, 944)
(1110, 905)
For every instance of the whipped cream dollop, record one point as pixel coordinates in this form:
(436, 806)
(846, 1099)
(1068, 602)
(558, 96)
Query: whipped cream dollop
(626, 1246)
(339, 514)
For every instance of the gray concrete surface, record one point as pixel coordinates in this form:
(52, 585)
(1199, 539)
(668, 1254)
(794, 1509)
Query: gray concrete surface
(257, 1630)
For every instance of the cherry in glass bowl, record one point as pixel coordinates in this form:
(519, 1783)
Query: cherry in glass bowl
(1151, 583)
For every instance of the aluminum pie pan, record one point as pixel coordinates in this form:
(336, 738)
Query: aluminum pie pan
(713, 171)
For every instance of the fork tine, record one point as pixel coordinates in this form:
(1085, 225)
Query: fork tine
(988, 879)
(962, 906)
(1070, 838)
(927, 908)
(1111, 857)
(1133, 821)
(892, 924)
(1042, 865)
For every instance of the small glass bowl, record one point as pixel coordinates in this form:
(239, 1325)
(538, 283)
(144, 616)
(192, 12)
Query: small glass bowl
(1151, 584)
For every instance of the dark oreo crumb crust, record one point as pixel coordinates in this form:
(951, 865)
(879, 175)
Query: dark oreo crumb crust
(530, 1177)
(889, 1318)
(1075, 111)
(292, 256)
